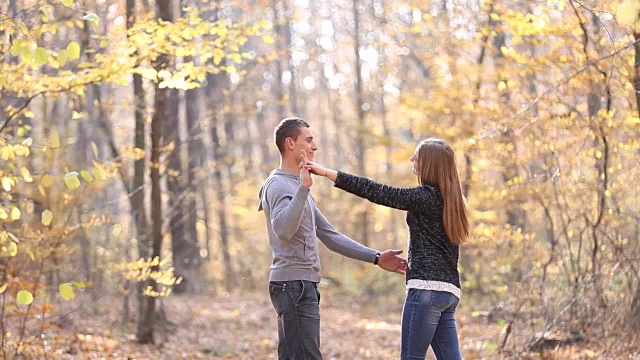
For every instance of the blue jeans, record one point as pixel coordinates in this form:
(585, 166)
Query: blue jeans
(428, 319)
(298, 306)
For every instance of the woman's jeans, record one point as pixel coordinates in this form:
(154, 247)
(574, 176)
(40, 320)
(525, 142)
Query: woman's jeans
(428, 319)
(298, 306)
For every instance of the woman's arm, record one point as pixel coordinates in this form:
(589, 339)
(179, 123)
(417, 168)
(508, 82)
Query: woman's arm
(415, 198)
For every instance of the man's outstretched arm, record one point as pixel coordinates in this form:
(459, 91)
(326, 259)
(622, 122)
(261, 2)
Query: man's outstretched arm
(389, 260)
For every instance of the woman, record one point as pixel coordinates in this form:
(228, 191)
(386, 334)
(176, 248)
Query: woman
(437, 219)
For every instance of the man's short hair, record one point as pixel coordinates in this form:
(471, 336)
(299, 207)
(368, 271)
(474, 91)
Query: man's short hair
(289, 127)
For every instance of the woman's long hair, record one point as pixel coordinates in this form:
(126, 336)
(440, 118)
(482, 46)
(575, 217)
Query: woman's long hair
(436, 166)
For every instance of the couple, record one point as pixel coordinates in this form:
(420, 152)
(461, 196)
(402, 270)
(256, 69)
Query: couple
(437, 220)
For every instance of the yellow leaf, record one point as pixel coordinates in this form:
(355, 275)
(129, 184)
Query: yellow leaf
(494, 16)
(46, 180)
(99, 172)
(94, 148)
(15, 213)
(3, 214)
(54, 140)
(8, 183)
(24, 297)
(627, 12)
(7, 152)
(164, 74)
(47, 217)
(21, 150)
(66, 291)
(86, 176)
(41, 56)
(71, 180)
(13, 249)
(26, 174)
(236, 58)
(268, 39)
(73, 50)
(3, 288)
(67, 2)
(62, 57)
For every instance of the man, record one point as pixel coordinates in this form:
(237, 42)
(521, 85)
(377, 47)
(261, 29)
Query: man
(294, 224)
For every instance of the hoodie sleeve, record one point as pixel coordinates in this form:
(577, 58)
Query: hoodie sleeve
(285, 209)
(341, 243)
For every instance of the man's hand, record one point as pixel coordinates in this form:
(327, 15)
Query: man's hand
(305, 175)
(391, 261)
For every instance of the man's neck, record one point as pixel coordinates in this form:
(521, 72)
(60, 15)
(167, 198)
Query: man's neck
(289, 167)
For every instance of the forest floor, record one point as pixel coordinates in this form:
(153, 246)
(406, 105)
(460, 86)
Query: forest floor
(244, 327)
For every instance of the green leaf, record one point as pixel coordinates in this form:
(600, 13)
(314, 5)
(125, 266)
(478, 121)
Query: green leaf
(71, 180)
(3, 288)
(91, 17)
(66, 291)
(62, 57)
(41, 56)
(24, 297)
(86, 176)
(73, 50)
(47, 217)
(67, 2)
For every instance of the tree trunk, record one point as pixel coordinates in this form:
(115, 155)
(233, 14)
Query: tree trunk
(146, 323)
(182, 248)
(288, 32)
(361, 134)
(195, 150)
(135, 191)
(279, 90)
(635, 302)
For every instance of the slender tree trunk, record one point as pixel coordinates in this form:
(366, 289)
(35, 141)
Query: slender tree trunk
(635, 302)
(195, 151)
(361, 134)
(288, 32)
(146, 323)
(279, 90)
(135, 192)
(177, 190)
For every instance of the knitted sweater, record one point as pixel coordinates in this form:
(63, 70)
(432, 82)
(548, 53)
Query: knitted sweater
(433, 259)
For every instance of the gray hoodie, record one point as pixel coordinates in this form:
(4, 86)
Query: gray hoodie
(294, 223)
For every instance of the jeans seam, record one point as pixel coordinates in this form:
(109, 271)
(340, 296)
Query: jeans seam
(413, 311)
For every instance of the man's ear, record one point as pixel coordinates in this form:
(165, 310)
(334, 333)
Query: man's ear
(289, 143)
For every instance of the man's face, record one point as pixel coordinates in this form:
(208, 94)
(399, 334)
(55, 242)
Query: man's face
(304, 143)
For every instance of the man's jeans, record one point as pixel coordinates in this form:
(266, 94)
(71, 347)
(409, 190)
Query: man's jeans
(298, 306)
(428, 319)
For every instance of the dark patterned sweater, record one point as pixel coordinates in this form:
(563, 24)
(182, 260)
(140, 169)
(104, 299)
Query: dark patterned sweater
(433, 259)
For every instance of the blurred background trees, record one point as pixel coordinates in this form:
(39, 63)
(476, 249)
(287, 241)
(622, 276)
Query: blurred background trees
(133, 130)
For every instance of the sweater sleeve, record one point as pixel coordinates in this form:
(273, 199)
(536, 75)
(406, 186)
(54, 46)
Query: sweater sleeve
(285, 209)
(414, 198)
(341, 243)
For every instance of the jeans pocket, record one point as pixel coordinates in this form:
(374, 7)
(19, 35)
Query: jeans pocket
(442, 300)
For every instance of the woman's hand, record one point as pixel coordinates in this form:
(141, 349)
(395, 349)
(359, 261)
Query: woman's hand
(316, 169)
